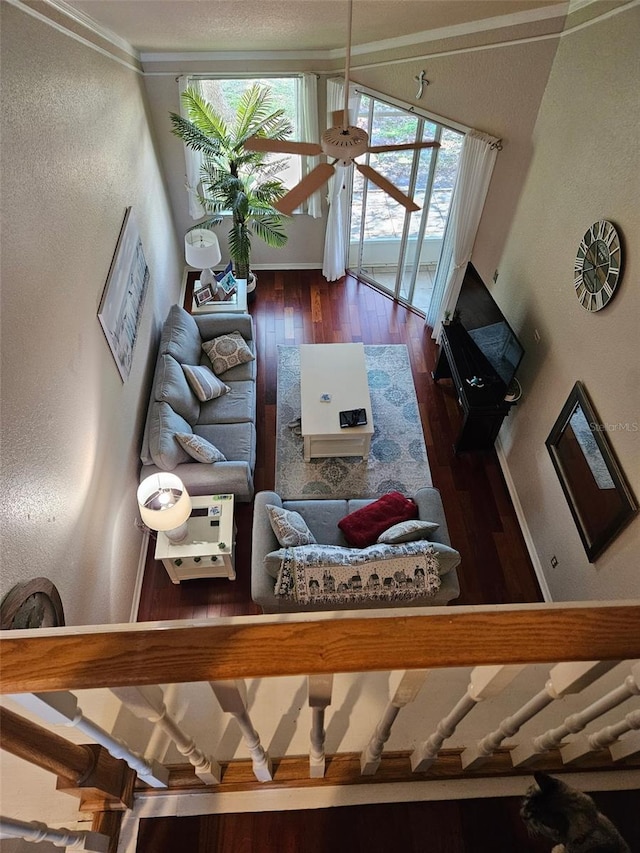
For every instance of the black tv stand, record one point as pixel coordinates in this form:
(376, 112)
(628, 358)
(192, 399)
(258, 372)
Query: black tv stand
(480, 390)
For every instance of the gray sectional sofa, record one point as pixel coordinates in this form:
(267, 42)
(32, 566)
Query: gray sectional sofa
(227, 422)
(322, 517)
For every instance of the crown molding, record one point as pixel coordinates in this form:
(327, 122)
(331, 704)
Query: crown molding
(83, 21)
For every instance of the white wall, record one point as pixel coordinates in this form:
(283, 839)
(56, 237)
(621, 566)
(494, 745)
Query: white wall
(77, 150)
(585, 167)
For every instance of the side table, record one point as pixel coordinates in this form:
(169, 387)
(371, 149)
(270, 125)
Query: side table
(208, 550)
(237, 304)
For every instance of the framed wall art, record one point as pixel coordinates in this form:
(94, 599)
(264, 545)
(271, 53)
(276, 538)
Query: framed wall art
(599, 496)
(122, 300)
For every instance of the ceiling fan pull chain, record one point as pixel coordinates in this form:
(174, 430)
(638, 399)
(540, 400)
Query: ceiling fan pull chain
(347, 69)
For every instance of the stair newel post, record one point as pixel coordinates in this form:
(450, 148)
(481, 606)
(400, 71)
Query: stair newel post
(148, 703)
(61, 708)
(564, 679)
(404, 687)
(485, 682)
(320, 687)
(232, 698)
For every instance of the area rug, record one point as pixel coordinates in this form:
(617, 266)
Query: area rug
(398, 455)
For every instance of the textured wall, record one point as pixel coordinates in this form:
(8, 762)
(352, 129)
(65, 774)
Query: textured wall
(585, 167)
(77, 150)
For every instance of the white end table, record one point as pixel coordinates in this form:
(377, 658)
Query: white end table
(208, 550)
(236, 305)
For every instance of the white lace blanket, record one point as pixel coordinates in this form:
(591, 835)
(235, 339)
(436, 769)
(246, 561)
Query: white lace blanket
(326, 574)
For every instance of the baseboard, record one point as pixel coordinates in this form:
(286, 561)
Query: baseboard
(524, 527)
(137, 589)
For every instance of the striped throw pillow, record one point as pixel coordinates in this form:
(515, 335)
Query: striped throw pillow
(204, 383)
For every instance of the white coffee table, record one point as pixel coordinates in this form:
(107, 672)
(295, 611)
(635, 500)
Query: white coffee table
(201, 555)
(338, 371)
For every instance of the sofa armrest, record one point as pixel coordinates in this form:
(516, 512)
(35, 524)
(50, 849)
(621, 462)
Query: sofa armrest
(213, 325)
(263, 541)
(217, 478)
(430, 508)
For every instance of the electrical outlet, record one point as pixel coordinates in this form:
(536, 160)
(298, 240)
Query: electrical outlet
(554, 561)
(536, 336)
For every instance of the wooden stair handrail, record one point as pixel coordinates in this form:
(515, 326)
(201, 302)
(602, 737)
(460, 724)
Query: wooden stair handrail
(258, 648)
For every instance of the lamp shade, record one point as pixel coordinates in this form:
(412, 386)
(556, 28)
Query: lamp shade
(201, 248)
(163, 501)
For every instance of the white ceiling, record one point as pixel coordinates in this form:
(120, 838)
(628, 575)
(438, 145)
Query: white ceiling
(293, 25)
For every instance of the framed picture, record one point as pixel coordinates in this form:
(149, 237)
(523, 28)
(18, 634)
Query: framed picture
(599, 497)
(122, 300)
(205, 294)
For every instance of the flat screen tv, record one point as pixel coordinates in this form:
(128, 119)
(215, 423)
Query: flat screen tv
(486, 325)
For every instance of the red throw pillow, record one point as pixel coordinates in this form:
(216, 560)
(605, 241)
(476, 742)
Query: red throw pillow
(362, 527)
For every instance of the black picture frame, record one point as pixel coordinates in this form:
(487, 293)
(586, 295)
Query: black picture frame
(599, 497)
(204, 295)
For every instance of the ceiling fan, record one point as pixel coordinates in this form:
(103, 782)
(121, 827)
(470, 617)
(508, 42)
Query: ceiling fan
(343, 143)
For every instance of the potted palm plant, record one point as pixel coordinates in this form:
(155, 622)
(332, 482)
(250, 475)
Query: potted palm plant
(235, 180)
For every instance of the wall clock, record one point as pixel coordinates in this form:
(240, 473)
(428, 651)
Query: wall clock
(598, 265)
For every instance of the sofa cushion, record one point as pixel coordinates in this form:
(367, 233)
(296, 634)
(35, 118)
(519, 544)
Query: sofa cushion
(181, 336)
(203, 382)
(238, 405)
(227, 351)
(164, 447)
(236, 441)
(199, 448)
(322, 516)
(289, 527)
(408, 531)
(362, 527)
(172, 387)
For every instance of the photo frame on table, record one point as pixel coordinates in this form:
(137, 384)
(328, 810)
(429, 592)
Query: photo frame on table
(204, 295)
(599, 497)
(120, 309)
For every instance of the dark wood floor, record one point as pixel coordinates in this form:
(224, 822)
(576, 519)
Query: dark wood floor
(459, 826)
(295, 307)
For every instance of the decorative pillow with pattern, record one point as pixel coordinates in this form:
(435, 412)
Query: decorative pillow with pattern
(199, 448)
(408, 531)
(204, 383)
(227, 351)
(289, 527)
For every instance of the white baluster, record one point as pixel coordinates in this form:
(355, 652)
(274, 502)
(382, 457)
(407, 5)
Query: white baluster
(551, 739)
(485, 682)
(232, 697)
(607, 736)
(564, 678)
(628, 747)
(70, 838)
(148, 704)
(62, 709)
(408, 686)
(320, 687)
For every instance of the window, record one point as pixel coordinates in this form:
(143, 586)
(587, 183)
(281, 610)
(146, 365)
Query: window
(296, 94)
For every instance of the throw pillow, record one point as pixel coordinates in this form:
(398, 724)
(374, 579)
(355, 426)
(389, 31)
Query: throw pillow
(199, 448)
(289, 527)
(227, 351)
(362, 527)
(204, 383)
(408, 531)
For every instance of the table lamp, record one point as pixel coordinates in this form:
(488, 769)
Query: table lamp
(165, 505)
(202, 250)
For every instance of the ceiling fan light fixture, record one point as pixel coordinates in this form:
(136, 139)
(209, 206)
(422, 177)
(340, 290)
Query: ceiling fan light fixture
(345, 144)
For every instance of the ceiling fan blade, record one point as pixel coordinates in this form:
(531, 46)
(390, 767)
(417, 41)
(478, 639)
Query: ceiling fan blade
(281, 146)
(405, 146)
(313, 181)
(380, 181)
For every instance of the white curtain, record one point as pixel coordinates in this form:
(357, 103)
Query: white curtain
(193, 159)
(335, 253)
(308, 112)
(477, 160)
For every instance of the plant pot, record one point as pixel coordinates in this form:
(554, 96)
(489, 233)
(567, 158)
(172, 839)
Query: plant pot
(252, 283)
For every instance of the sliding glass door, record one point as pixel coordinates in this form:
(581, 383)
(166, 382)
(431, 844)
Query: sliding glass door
(396, 250)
